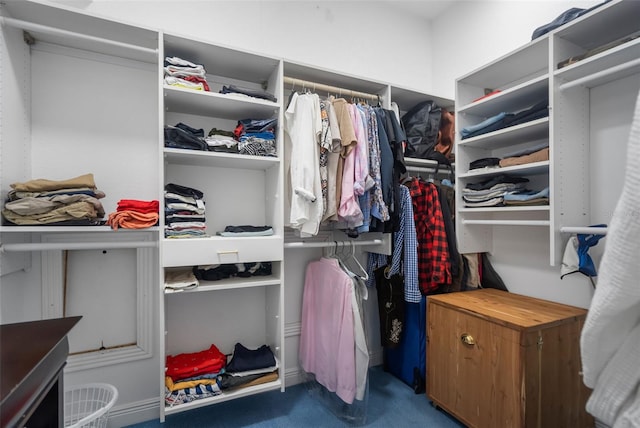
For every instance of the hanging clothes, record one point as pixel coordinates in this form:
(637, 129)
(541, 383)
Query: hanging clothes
(434, 267)
(333, 160)
(379, 208)
(339, 154)
(302, 126)
(333, 340)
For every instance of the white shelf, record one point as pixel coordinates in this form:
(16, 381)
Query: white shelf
(605, 24)
(511, 100)
(534, 168)
(525, 76)
(70, 229)
(66, 229)
(222, 60)
(48, 24)
(522, 64)
(212, 104)
(229, 284)
(225, 396)
(597, 65)
(530, 131)
(504, 209)
(421, 163)
(543, 223)
(218, 159)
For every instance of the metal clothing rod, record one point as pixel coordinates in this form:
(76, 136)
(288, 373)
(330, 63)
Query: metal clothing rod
(327, 244)
(328, 88)
(598, 75)
(584, 230)
(30, 26)
(45, 246)
(430, 169)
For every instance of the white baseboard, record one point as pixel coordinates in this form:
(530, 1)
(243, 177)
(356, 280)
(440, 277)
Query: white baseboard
(134, 413)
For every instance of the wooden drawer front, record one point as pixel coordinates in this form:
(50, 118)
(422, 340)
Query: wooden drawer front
(479, 383)
(219, 250)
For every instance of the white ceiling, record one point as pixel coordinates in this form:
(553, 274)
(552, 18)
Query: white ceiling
(427, 9)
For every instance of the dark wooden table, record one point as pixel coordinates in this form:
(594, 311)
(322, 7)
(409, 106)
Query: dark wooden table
(32, 356)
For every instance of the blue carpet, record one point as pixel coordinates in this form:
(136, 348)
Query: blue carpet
(391, 403)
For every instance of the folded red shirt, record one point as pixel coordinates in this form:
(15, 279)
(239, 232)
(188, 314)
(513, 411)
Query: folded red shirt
(139, 206)
(193, 364)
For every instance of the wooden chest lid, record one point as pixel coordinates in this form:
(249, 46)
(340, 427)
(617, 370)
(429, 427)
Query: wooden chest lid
(517, 311)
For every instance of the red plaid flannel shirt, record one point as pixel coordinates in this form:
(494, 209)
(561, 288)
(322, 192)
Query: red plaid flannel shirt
(434, 267)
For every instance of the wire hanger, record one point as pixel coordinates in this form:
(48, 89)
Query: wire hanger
(350, 257)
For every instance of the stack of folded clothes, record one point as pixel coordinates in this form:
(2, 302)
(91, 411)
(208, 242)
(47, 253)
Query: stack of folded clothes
(184, 74)
(71, 202)
(220, 140)
(247, 230)
(256, 137)
(491, 192)
(134, 214)
(527, 197)
(249, 367)
(521, 157)
(197, 375)
(182, 136)
(246, 92)
(250, 137)
(180, 279)
(184, 212)
(507, 119)
(231, 270)
(193, 376)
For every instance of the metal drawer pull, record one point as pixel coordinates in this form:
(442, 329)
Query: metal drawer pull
(467, 339)
(228, 252)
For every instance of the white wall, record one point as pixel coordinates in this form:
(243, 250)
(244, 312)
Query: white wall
(472, 33)
(366, 39)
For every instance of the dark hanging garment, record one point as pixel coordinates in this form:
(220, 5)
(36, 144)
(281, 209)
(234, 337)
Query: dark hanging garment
(454, 256)
(407, 361)
(395, 137)
(397, 141)
(421, 125)
(489, 278)
(386, 168)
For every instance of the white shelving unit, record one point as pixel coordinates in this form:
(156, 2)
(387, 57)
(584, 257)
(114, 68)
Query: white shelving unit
(49, 130)
(524, 77)
(238, 190)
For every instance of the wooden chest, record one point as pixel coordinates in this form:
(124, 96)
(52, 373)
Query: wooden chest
(497, 359)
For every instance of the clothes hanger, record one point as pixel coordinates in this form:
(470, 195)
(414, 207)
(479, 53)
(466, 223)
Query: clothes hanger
(332, 250)
(350, 257)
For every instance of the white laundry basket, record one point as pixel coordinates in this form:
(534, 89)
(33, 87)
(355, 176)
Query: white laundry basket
(88, 405)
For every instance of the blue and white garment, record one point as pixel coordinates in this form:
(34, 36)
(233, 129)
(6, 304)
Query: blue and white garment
(406, 241)
(188, 395)
(374, 262)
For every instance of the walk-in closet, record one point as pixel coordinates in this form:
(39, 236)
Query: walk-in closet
(264, 205)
